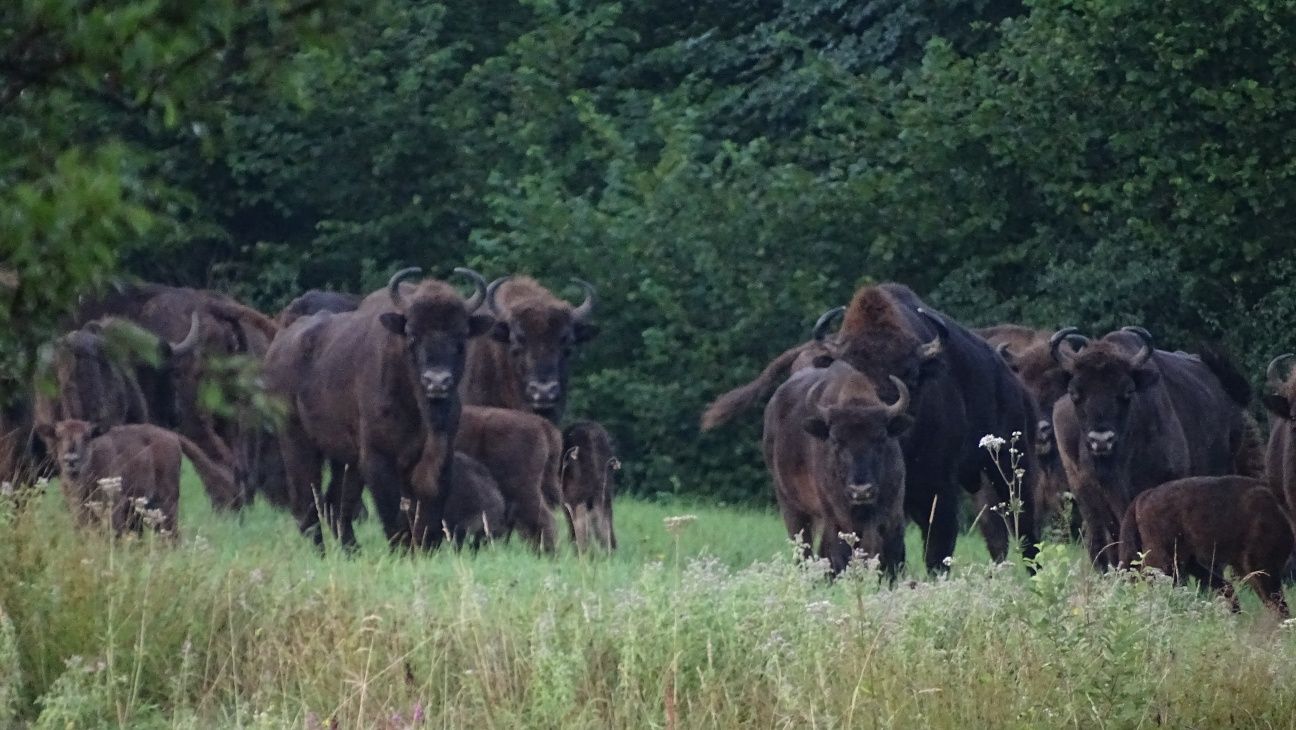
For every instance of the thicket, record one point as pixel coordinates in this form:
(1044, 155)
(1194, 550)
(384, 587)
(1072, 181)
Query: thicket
(723, 172)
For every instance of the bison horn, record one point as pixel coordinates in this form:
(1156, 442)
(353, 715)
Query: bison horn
(479, 283)
(825, 321)
(812, 395)
(1145, 353)
(490, 294)
(393, 285)
(583, 311)
(902, 400)
(929, 350)
(190, 341)
(1066, 333)
(1273, 375)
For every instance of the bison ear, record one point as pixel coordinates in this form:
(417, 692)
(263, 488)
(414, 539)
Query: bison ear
(479, 324)
(1277, 405)
(394, 322)
(817, 427)
(46, 432)
(97, 430)
(1145, 378)
(899, 424)
(585, 331)
(822, 361)
(500, 332)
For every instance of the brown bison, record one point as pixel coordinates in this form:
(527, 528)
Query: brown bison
(524, 365)
(475, 508)
(314, 302)
(588, 484)
(1136, 417)
(831, 446)
(144, 457)
(1201, 525)
(523, 451)
(1281, 404)
(961, 390)
(376, 388)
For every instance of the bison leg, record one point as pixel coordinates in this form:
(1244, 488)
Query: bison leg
(992, 524)
(1268, 585)
(800, 527)
(939, 524)
(342, 500)
(893, 550)
(1212, 578)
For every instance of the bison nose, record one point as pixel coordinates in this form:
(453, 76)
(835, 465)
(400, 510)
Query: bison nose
(862, 493)
(1101, 443)
(1043, 438)
(437, 383)
(543, 393)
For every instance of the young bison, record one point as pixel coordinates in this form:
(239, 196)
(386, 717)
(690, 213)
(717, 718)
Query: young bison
(589, 463)
(1201, 525)
(523, 452)
(474, 508)
(146, 458)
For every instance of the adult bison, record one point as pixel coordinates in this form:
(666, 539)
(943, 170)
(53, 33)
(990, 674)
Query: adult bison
(377, 388)
(1280, 400)
(524, 364)
(1136, 417)
(961, 390)
(832, 448)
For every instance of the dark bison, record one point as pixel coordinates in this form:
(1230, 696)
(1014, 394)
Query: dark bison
(1281, 404)
(1201, 525)
(589, 484)
(1136, 417)
(23, 457)
(314, 302)
(475, 508)
(1028, 354)
(831, 447)
(524, 364)
(961, 390)
(146, 460)
(376, 388)
(523, 451)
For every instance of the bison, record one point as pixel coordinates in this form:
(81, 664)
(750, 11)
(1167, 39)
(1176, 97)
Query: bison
(376, 388)
(1136, 417)
(588, 484)
(524, 365)
(144, 457)
(1280, 401)
(960, 390)
(314, 302)
(832, 448)
(1200, 525)
(475, 507)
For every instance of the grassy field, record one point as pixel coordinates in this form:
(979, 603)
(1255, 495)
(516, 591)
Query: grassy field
(242, 625)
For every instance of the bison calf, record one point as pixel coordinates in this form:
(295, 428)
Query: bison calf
(522, 451)
(1200, 525)
(589, 463)
(147, 461)
(475, 507)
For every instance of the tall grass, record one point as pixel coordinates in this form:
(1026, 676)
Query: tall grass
(712, 624)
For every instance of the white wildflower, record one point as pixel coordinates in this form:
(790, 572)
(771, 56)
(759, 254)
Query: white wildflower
(992, 442)
(676, 523)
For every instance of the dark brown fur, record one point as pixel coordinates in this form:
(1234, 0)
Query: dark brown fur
(315, 301)
(723, 409)
(589, 484)
(524, 364)
(1281, 455)
(475, 508)
(523, 451)
(819, 445)
(1201, 525)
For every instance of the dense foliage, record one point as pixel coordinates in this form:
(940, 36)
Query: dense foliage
(722, 172)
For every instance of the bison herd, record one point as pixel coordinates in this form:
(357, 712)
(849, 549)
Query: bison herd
(885, 421)
(446, 408)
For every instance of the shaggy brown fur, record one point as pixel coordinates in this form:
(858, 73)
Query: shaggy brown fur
(523, 452)
(724, 408)
(589, 484)
(315, 301)
(1201, 525)
(524, 364)
(474, 508)
(1281, 456)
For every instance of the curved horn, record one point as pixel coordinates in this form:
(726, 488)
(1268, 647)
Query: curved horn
(929, 350)
(1004, 352)
(190, 341)
(479, 282)
(825, 321)
(1072, 336)
(490, 294)
(812, 395)
(1272, 375)
(902, 401)
(393, 285)
(583, 310)
(1144, 354)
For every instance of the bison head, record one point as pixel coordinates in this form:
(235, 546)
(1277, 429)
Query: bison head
(71, 443)
(865, 459)
(436, 324)
(876, 341)
(1046, 381)
(541, 332)
(1281, 402)
(1103, 381)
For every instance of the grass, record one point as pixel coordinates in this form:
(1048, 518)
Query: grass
(242, 625)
